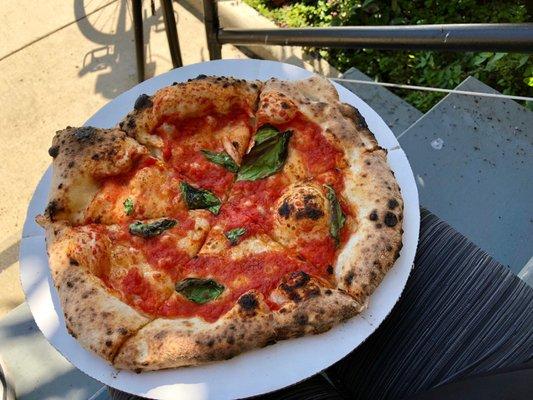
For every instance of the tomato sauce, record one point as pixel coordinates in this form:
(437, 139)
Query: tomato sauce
(184, 154)
(250, 203)
(318, 153)
(262, 272)
(139, 292)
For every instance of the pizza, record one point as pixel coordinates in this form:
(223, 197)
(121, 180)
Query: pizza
(220, 215)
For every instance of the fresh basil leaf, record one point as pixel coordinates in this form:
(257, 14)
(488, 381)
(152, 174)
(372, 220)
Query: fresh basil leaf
(153, 228)
(265, 133)
(223, 159)
(128, 206)
(200, 198)
(234, 235)
(199, 290)
(265, 158)
(337, 216)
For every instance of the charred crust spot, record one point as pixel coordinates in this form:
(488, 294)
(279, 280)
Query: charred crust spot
(84, 134)
(373, 215)
(73, 262)
(95, 156)
(71, 164)
(53, 151)
(230, 340)
(284, 105)
(210, 343)
(52, 209)
(248, 302)
(235, 145)
(298, 279)
(122, 331)
(109, 331)
(328, 292)
(392, 204)
(142, 102)
(379, 226)
(70, 284)
(348, 278)
(109, 343)
(60, 186)
(390, 219)
(330, 269)
(301, 319)
(160, 335)
(131, 123)
(202, 76)
(311, 210)
(313, 292)
(285, 209)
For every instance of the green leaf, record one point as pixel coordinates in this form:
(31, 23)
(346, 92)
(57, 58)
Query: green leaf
(199, 290)
(337, 216)
(234, 235)
(265, 158)
(529, 81)
(223, 159)
(153, 228)
(128, 206)
(265, 133)
(196, 198)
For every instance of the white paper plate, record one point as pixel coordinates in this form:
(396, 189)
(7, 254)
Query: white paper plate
(255, 372)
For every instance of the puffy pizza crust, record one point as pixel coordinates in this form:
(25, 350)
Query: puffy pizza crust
(94, 315)
(306, 307)
(316, 98)
(82, 156)
(191, 99)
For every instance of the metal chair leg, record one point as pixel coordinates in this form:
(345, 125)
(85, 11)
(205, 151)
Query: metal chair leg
(172, 33)
(211, 24)
(139, 39)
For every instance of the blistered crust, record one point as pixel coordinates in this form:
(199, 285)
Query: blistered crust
(188, 99)
(306, 307)
(93, 315)
(375, 245)
(317, 99)
(81, 157)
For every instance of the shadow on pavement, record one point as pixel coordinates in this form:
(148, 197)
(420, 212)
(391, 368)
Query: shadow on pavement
(111, 30)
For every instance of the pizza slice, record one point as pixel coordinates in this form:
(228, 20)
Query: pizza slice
(113, 279)
(237, 294)
(201, 128)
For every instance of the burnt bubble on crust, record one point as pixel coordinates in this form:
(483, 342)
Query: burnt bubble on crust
(390, 219)
(248, 302)
(285, 209)
(142, 102)
(53, 151)
(311, 209)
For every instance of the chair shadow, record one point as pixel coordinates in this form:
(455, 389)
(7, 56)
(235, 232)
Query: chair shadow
(113, 57)
(9, 256)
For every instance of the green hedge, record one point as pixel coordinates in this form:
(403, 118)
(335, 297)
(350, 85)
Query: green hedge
(510, 73)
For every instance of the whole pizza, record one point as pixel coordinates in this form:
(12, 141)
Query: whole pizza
(220, 215)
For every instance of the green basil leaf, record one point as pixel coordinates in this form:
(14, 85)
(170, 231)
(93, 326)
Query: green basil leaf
(200, 198)
(337, 216)
(265, 133)
(234, 235)
(199, 290)
(265, 158)
(153, 228)
(128, 206)
(223, 159)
